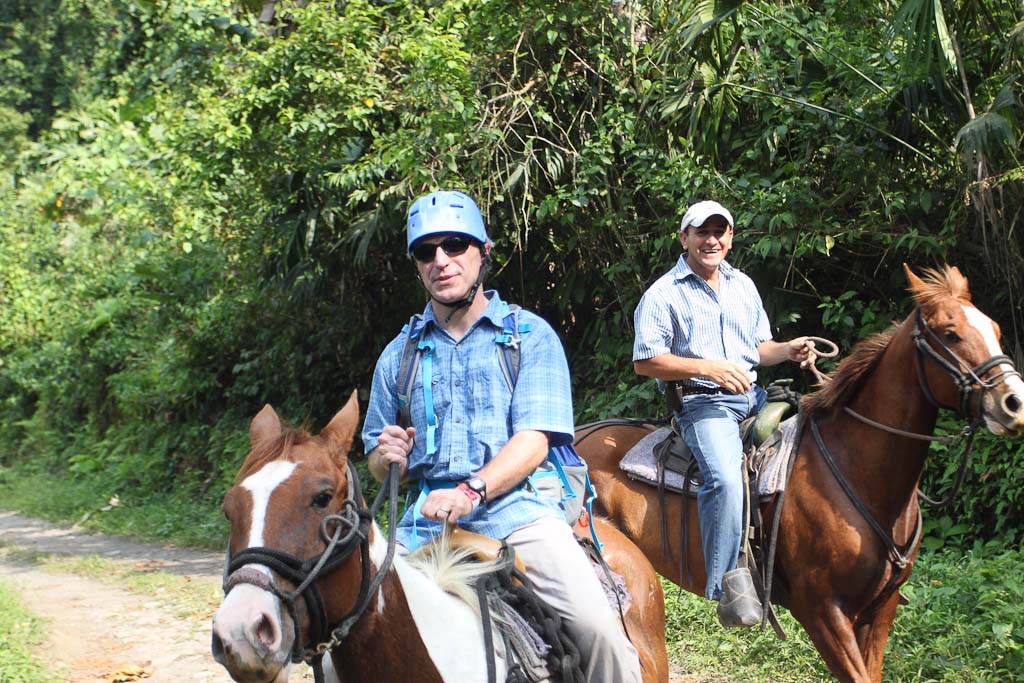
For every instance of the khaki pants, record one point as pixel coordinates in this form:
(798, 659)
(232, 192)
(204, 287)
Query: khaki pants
(564, 578)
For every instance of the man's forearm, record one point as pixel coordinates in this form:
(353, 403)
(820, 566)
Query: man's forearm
(517, 459)
(669, 367)
(772, 352)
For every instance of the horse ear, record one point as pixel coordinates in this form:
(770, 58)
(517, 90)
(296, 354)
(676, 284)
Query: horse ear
(342, 427)
(266, 425)
(914, 283)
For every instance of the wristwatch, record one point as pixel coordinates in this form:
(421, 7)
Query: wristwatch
(478, 486)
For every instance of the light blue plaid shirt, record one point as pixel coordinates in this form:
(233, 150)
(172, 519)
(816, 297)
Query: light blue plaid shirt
(476, 413)
(681, 314)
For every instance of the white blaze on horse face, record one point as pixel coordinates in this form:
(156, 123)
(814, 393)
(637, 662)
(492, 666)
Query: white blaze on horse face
(260, 486)
(987, 329)
(247, 604)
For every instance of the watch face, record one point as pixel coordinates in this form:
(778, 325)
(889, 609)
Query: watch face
(477, 484)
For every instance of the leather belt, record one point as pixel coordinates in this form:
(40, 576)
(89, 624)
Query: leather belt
(691, 389)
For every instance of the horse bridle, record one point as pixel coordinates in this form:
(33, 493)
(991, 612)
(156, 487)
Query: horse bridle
(351, 532)
(965, 381)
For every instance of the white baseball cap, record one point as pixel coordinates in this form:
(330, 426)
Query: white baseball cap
(701, 211)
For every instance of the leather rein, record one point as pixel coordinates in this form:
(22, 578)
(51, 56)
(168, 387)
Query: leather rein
(968, 380)
(351, 533)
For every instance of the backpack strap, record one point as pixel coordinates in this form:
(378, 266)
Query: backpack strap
(426, 349)
(407, 368)
(507, 344)
(413, 352)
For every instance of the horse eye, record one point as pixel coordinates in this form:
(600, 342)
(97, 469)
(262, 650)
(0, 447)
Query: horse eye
(951, 336)
(322, 500)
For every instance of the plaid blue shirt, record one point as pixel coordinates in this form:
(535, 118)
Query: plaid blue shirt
(476, 413)
(681, 314)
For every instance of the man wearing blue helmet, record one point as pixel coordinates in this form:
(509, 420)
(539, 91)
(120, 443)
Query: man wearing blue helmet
(475, 436)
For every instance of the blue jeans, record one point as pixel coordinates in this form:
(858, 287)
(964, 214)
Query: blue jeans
(710, 426)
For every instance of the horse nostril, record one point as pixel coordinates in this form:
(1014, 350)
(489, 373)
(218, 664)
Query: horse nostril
(217, 648)
(264, 632)
(1012, 404)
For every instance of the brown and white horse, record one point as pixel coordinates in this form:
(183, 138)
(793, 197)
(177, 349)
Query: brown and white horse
(848, 534)
(385, 621)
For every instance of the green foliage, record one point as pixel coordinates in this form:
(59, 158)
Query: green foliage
(963, 620)
(992, 502)
(20, 632)
(189, 515)
(200, 215)
(962, 624)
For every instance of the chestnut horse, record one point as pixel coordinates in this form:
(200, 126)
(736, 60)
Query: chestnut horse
(299, 527)
(848, 534)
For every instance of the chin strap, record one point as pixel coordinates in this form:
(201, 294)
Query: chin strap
(485, 268)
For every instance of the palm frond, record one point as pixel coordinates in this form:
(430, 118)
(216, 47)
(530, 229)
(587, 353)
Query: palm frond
(928, 45)
(986, 136)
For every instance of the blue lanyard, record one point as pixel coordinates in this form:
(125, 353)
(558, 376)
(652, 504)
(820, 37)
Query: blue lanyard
(427, 373)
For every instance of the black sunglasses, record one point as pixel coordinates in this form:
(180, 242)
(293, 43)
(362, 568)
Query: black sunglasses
(452, 246)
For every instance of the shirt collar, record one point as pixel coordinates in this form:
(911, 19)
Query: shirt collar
(683, 269)
(496, 308)
(495, 311)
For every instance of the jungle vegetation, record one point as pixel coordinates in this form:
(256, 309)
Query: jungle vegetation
(202, 203)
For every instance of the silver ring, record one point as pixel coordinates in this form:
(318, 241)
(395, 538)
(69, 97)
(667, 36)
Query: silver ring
(444, 510)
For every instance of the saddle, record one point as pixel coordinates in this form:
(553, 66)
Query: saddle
(481, 548)
(768, 450)
(672, 454)
(537, 645)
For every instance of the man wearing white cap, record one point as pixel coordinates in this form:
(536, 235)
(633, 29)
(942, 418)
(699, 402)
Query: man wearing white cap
(701, 329)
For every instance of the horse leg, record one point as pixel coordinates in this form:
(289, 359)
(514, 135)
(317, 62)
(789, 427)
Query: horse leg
(645, 619)
(873, 634)
(833, 635)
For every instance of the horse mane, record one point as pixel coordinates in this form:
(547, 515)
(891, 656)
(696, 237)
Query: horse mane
(269, 450)
(939, 284)
(935, 286)
(848, 375)
(452, 569)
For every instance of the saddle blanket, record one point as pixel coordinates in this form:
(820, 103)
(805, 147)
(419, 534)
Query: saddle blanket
(770, 460)
(529, 651)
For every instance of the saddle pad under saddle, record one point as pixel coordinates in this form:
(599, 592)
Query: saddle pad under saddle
(771, 459)
(528, 650)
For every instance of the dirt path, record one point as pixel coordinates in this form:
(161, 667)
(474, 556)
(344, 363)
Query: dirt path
(97, 629)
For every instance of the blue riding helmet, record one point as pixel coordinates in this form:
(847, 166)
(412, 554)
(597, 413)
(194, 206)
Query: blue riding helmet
(444, 211)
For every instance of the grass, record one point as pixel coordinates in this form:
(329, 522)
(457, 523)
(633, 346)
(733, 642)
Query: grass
(187, 517)
(964, 623)
(965, 620)
(19, 633)
(698, 645)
